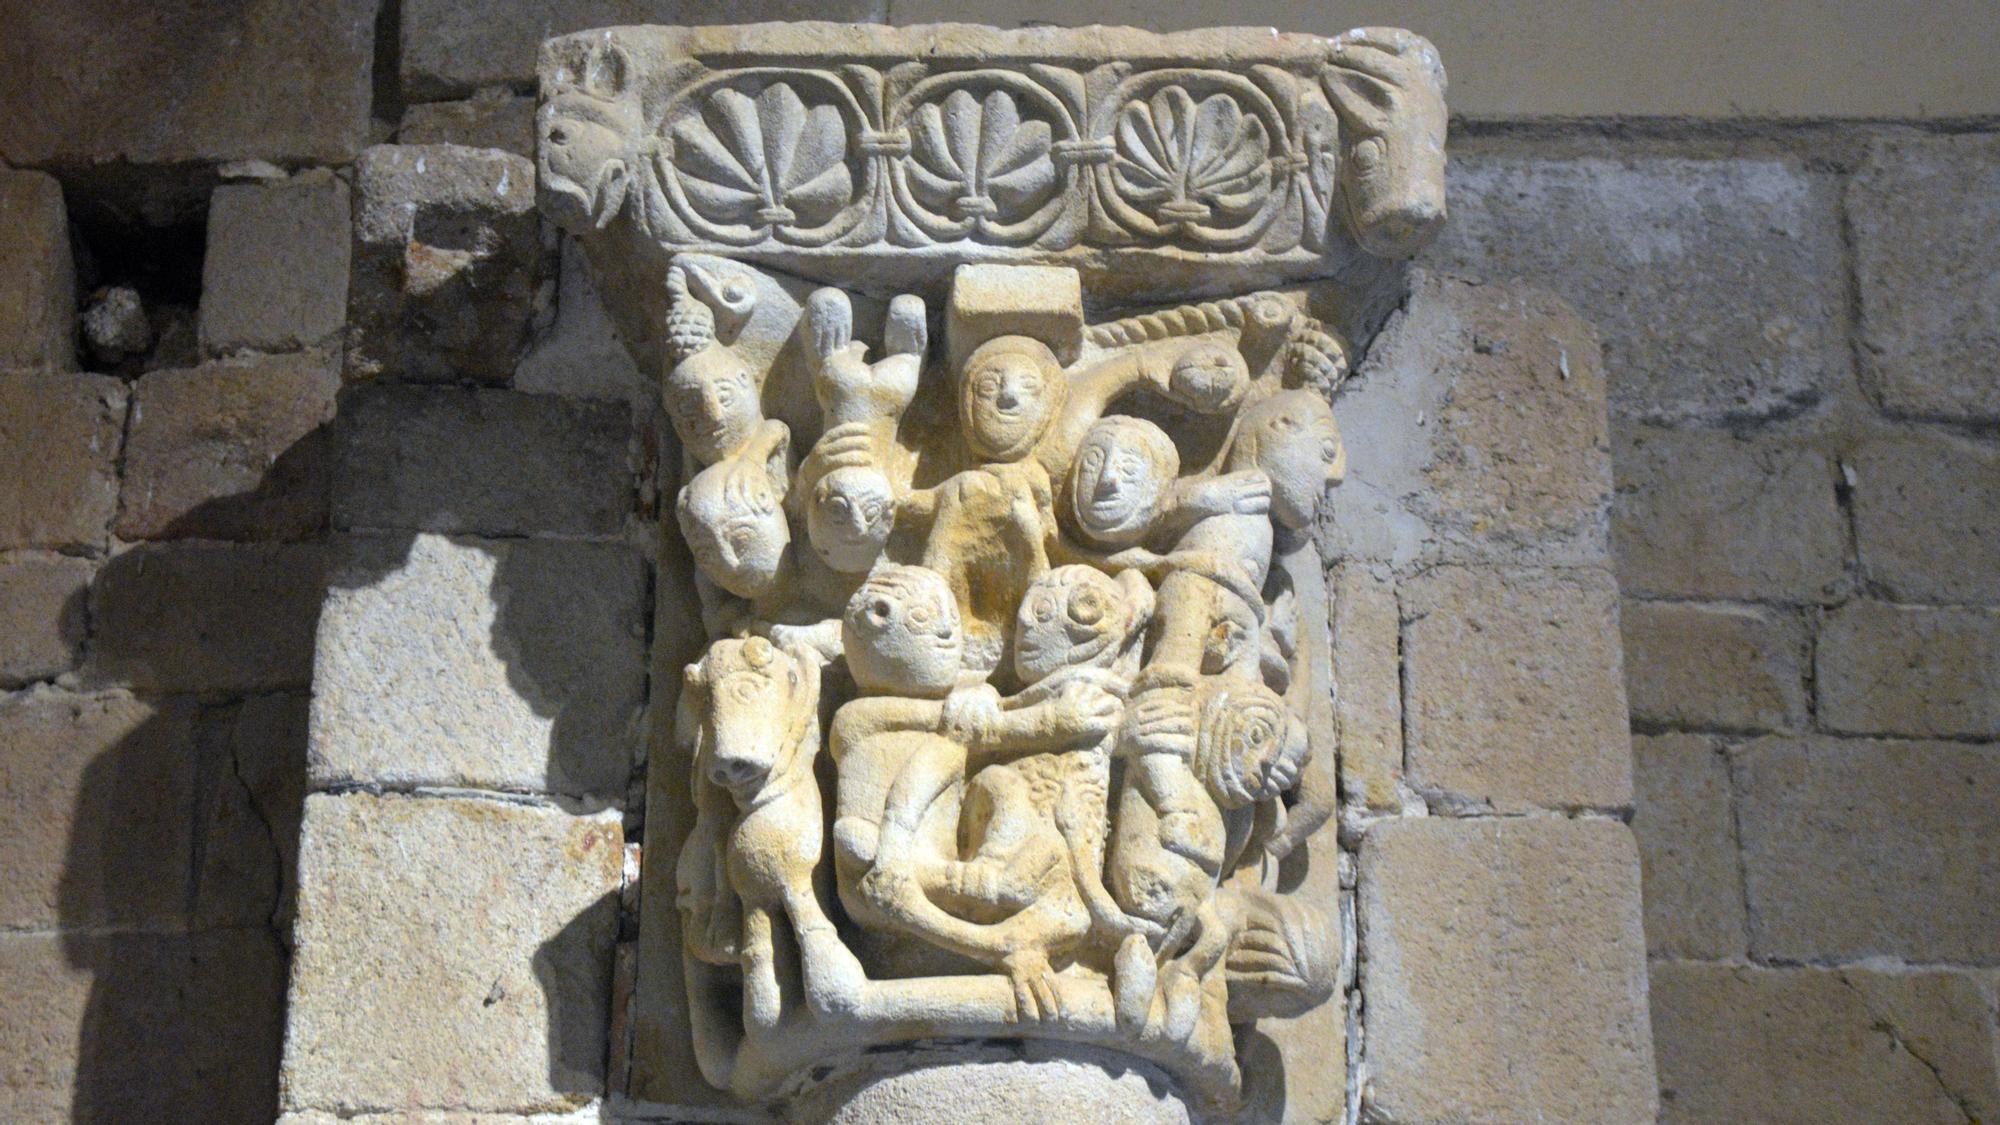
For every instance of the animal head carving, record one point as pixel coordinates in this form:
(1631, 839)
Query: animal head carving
(588, 130)
(1080, 617)
(1387, 88)
(756, 701)
(1250, 747)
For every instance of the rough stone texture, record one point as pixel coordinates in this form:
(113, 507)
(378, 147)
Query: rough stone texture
(275, 273)
(1367, 669)
(41, 616)
(233, 449)
(451, 48)
(1516, 699)
(1687, 847)
(59, 438)
(37, 280)
(482, 462)
(444, 1117)
(1927, 515)
(492, 665)
(448, 256)
(1704, 514)
(1505, 974)
(250, 788)
(1714, 667)
(1910, 670)
(140, 1027)
(580, 353)
(1623, 238)
(207, 617)
(97, 791)
(1475, 431)
(998, 1086)
(188, 81)
(452, 954)
(1817, 1046)
(492, 118)
(1926, 218)
(1856, 849)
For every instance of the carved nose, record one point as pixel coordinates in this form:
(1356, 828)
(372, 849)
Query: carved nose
(731, 772)
(1006, 400)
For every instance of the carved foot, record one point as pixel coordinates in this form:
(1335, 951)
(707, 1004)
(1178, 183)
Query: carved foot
(1034, 983)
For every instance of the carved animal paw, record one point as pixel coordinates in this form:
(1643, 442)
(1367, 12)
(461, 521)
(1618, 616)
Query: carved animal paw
(1034, 981)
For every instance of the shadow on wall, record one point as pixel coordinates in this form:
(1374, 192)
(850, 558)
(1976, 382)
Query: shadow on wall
(177, 893)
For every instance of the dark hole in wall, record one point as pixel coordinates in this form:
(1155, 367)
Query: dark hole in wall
(157, 253)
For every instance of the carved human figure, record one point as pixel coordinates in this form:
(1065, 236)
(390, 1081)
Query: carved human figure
(851, 510)
(733, 516)
(1124, 487)
(710, 392)
(1387, 88)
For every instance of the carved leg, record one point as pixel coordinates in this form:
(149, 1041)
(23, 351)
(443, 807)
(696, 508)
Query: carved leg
(925, 777)
(834, 978)
(763, 999)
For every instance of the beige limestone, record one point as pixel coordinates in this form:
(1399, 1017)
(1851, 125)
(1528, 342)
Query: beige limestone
(38, 295)
(1924, 211)
(1714, 667)
(452, 953)
(1516, 698)
(579, 351)
(1909, 670)
(1367, 669)
(233, 449)
(274, 277)
(1757, 521)
(1927, 515)
(481, 664)
(206, 617)
(59, 441)
(41, 615)
(995, 1086)
(1822, 1046)
(1855, 849)
(1686, 827)
(1503, 966)
(491, 118)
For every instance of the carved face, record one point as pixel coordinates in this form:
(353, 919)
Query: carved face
(1387, 87)
(1209, 377)
(1120, 478)
(901, 633)
(1009, 394)
(1078, 617)
(1292, 437)
(852, 513)
(751, 691)
(1250, 747)
(712, 398)
(735, 525)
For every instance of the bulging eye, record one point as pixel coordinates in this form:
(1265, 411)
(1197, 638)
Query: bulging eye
(920, 616)
(1086, 607)
(1043, 609)
(1367, 155)
(1093, 457)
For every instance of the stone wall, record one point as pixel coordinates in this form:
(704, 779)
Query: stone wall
(364, 366)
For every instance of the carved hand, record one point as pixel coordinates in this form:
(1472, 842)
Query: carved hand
(1162, 722)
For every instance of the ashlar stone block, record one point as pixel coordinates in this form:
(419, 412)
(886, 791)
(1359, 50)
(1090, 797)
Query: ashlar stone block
(201, 617)
(452, 954)
(1705, 666)
(41, 615)
(1367, 667)
(274, 277)
(1504, 970)
(1683, 818)
(37, 278)
(59, 441)
(1910, 670)
(492, 118)
(1927, 515)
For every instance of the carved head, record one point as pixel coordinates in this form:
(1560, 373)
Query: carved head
(589, 129)
(1209, 377)
(1291, 437)
(1009, 394)
(1249, 746)
(901, 633)
(1080, 617)
(853, 511)
(1387, 88)
(712, 398)
(732, 514)
(752, 691)
(1119, 480)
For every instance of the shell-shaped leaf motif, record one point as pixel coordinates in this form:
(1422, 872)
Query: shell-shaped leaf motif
(765, 161)
(1192, 162)
(976, 158)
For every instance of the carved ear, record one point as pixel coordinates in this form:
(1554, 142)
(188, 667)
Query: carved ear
(607, 72)
(775, 464)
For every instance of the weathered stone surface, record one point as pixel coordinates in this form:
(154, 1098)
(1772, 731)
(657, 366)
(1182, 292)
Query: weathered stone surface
(1926, 219)
(115, 325)
(1516, 698)
(1855, 849)
(1622, 238)
(274, 277)
(1816, 1046)
(1367, 667)
(448, 257)
(233, 449)
(482, 462)
(59, 437)
(1476, 431)
(1504, 972)
(41, 616)
(1714, 667)
(251, 784)
(1687, 847)
(1909, 670)
(997, 1085)
(140, 1027)
(443, 1117)
(579, 353)
(1927, 515)
(451, 49)
(37, 279)
(207, 617)
(97, 789)
(1704, 514)
(491, 118)
(452, 954)
(491, 665)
